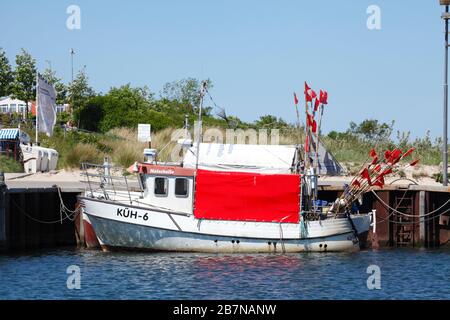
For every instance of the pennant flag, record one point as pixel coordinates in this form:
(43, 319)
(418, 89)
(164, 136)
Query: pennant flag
(395, 156)
(295, 99)
(386, 172)
(356, 183)
(377, 168)
(387, 154)
(309, 119)
(311, 123)
(324, 99)
(375, 160)
(412, 164)
(365, 175)
(309, 93)
(316, 104)
(314, 126)
(306, 88)
(379, 182)
(407, 153)
(373, 153)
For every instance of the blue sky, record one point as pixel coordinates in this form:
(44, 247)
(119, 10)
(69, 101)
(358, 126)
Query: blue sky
(255, 52)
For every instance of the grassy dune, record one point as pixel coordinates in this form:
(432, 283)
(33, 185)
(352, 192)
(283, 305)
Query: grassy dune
(122, 147)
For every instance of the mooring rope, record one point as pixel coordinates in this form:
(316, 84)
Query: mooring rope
(21, 210)
(63, 209)
(410, 215)
(396, 207)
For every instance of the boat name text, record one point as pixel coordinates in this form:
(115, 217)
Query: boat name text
(131, 214)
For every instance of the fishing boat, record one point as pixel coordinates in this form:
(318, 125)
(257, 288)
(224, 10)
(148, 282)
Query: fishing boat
(223, 198)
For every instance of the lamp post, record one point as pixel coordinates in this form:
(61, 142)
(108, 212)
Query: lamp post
(445, 16)
(72, 52)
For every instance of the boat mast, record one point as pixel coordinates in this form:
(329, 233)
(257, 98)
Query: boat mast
(199, 129)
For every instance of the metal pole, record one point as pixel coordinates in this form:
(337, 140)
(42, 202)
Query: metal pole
(72, 52)
(445, 145)
(37, 109)
(199, 135)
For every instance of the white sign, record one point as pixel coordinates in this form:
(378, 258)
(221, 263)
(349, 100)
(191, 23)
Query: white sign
(144, 133)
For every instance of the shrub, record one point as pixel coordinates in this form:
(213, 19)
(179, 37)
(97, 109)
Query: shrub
(82, 152)
(9, 165)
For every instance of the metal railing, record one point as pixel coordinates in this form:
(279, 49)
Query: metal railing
(109, 180)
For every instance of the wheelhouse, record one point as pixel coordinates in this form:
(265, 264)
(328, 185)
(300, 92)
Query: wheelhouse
(168, 187)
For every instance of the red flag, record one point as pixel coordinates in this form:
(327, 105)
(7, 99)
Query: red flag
(295, 99)
(306, 87)
(407, 153)
(309, 95)
(395, 156)
(323, 96)
(324, 99)
(375, 160)
(377, 168)
(412, 164)
(387, 154)
(356, 183)
(373, 153)
(386, 172)
(309, 119)
(314, 126)
(365, 175)
(316, 104)
(379, 182)
(310, 122)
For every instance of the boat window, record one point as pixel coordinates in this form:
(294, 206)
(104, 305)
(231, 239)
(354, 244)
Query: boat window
(181, 187)
(161, 186)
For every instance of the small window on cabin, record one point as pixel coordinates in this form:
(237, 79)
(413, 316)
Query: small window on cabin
(181, 187)
(161, 186)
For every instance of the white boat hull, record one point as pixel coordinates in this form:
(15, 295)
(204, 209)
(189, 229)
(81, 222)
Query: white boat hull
(118, 226)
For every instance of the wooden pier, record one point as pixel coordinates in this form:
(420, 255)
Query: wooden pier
(407, 214)
(31, 217)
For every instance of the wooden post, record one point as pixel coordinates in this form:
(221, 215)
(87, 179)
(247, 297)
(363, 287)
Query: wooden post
(422, 233)
(383, 229)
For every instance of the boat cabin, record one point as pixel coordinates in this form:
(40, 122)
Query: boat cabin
(168, 187)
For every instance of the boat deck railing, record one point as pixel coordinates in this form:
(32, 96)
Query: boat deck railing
(110, 181)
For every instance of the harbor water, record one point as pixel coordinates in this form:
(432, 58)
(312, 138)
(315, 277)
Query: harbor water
(403, 274)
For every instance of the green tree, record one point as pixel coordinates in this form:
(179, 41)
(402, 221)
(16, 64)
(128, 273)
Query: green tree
(269, 121)
(185, 91)
(24, 84)
(6, 74)
(125, 107)
(91, 113)
(371, 130)
(61, 88)
(79, 90)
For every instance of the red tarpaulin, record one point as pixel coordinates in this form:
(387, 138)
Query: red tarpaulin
(247, 196)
